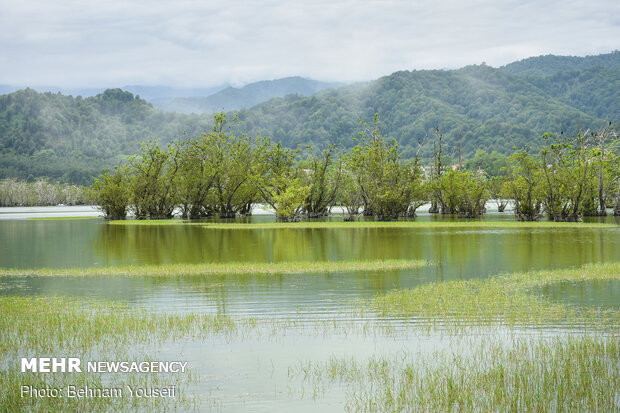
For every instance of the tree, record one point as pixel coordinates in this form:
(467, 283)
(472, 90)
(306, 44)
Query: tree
(497, 185)
(279, 182)
(324, 176)
(111, 192)
(350, 196)
(523, 185)
(566, 171)
(605, 155)
(464, 193)
(197, 174)
(154, 180)
(233, 188)
(387, 185)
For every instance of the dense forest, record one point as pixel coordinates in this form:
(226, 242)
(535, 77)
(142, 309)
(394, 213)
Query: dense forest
(550, 64)
(71, 139)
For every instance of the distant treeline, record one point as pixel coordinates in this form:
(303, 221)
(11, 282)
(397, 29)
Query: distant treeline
(14, 192)
(223, 174)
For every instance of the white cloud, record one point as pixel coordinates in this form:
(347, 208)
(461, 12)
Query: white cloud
(201, 43)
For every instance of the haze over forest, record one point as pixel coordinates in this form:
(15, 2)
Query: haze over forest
(71, 138)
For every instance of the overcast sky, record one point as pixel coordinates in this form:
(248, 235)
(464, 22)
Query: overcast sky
(199, 43)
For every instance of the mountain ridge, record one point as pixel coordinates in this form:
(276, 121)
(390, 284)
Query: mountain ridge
(72, 138)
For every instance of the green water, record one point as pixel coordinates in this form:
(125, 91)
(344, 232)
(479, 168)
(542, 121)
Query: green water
(250, 374)
(457, 253)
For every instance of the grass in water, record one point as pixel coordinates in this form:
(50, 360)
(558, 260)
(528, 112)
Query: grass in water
(224, 268)
(563, 374)
(61, 218)
(370, 224)
(42, 324)
(508, 299)
(38, 326)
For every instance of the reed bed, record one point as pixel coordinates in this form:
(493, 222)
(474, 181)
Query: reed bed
(570, 373)
(224, 268)
(504, 299)
(567, 372)
(44, 324)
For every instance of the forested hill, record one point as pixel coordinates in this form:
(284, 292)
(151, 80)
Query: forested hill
(550, 64)
(485, 107)
(73, 138)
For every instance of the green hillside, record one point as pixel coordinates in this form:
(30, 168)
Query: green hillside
(550, 64)
(593, 91)
(481, 106)
(71, 139)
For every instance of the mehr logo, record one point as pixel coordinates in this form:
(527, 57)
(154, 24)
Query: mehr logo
(51, 365)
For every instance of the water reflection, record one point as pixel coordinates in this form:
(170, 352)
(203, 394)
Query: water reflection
(456, 254)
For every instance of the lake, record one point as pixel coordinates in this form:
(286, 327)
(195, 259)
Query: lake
(253, 372)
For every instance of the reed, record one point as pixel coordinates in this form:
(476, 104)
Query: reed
(567, 373)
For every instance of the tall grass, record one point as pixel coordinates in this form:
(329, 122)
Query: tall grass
(563, 374)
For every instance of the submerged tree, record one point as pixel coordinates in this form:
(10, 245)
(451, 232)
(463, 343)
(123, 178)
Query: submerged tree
(233, 187)
(111, 192)
(606, 164)
(279, 182)
(199, 169)
(524, 185)
(154, 183)
(324, 176)
(350, 196)
(464, 193)
(497, 185)
(566, 171)
(387, 185)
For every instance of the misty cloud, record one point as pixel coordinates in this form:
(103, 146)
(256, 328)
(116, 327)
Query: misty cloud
(203, 43)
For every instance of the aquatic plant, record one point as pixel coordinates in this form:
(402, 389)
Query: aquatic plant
(224, 268)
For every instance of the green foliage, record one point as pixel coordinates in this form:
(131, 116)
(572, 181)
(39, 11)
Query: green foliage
(111, 191)
(549, 65)
(154, 181)
(493, 164)
(464, 193)
(524, 185)
(387, 185)
(288, 203)
(279, 182)
(324, 176)
(216, 172)
(350, 196)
